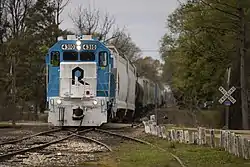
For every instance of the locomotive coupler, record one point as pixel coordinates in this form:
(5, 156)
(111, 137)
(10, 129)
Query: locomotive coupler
(78, 114)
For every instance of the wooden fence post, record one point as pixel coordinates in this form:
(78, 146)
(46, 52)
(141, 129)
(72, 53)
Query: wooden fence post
(239, 145)
(248, 148)
(231, 143)
(146, 126)
(158, 131)
(192, 137)
(203, 136)
(245, 148)
(169, 135)
(212, 138)
(196, 139)
(181, 136)
(227, 140)
(199, 136)
(163, 131)
(222, 140)
(172, 135)
(186, 136)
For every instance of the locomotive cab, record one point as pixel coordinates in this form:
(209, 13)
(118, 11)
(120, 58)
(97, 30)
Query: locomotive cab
(78, 82)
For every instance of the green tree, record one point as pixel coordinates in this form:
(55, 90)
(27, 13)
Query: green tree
(28, 29)
(149, 68)
(203, 42)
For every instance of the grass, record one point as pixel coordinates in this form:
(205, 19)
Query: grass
(135, 155)
(139, 155)
(144, 156)
(8, 125)
(192, 155)
(5, 125)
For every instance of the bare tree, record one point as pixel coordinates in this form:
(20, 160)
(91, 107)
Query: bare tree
(59, 7)
(106, 26)
(3, 20)
(123, 42)
(91, 22)
(17, 12)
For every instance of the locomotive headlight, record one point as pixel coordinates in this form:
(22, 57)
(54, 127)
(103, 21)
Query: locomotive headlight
(59, 101)
(78, 47)
(95, 102)
(78, 42)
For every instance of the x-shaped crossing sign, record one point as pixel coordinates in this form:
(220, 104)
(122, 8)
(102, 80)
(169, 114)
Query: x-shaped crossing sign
(227, 94)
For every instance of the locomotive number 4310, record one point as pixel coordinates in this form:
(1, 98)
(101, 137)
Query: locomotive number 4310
(89, 47)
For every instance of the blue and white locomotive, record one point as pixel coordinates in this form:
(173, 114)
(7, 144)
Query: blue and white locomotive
(88, 83)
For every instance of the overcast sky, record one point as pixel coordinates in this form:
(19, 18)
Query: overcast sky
(145, 20)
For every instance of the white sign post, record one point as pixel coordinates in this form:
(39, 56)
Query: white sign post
(227, 95)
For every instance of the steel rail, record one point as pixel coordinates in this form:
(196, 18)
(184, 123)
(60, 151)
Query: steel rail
(28, 137)
(95, 141)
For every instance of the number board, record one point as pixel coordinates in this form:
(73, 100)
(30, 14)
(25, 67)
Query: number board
(89, 46)
(68, 46)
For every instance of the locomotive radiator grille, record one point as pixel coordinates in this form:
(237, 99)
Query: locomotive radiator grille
(78, 79)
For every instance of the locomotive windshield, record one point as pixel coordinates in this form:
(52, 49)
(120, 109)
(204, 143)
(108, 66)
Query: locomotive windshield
(70, 56)
(87, 56)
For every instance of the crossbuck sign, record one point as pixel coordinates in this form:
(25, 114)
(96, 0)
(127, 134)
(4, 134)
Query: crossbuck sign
(227, 95)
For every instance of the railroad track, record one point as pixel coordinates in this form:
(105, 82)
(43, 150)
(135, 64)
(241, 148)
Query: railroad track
(101, 137)
(30, 136)
(21, 145)
(24, 145)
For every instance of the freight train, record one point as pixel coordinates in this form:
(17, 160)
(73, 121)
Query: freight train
(90, 84)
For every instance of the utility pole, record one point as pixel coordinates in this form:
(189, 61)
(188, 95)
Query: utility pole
(241, 49)
(228, 107)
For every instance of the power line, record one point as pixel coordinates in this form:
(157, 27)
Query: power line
(149, 50)
(154, 50)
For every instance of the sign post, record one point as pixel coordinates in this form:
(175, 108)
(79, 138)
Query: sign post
(227, 103)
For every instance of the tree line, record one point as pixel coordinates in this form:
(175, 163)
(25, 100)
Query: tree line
(28, 28)
(208, 37)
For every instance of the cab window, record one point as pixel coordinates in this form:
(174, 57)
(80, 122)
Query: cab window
(87, 56)
(55, 58)
(70, 56)
(103, 59)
